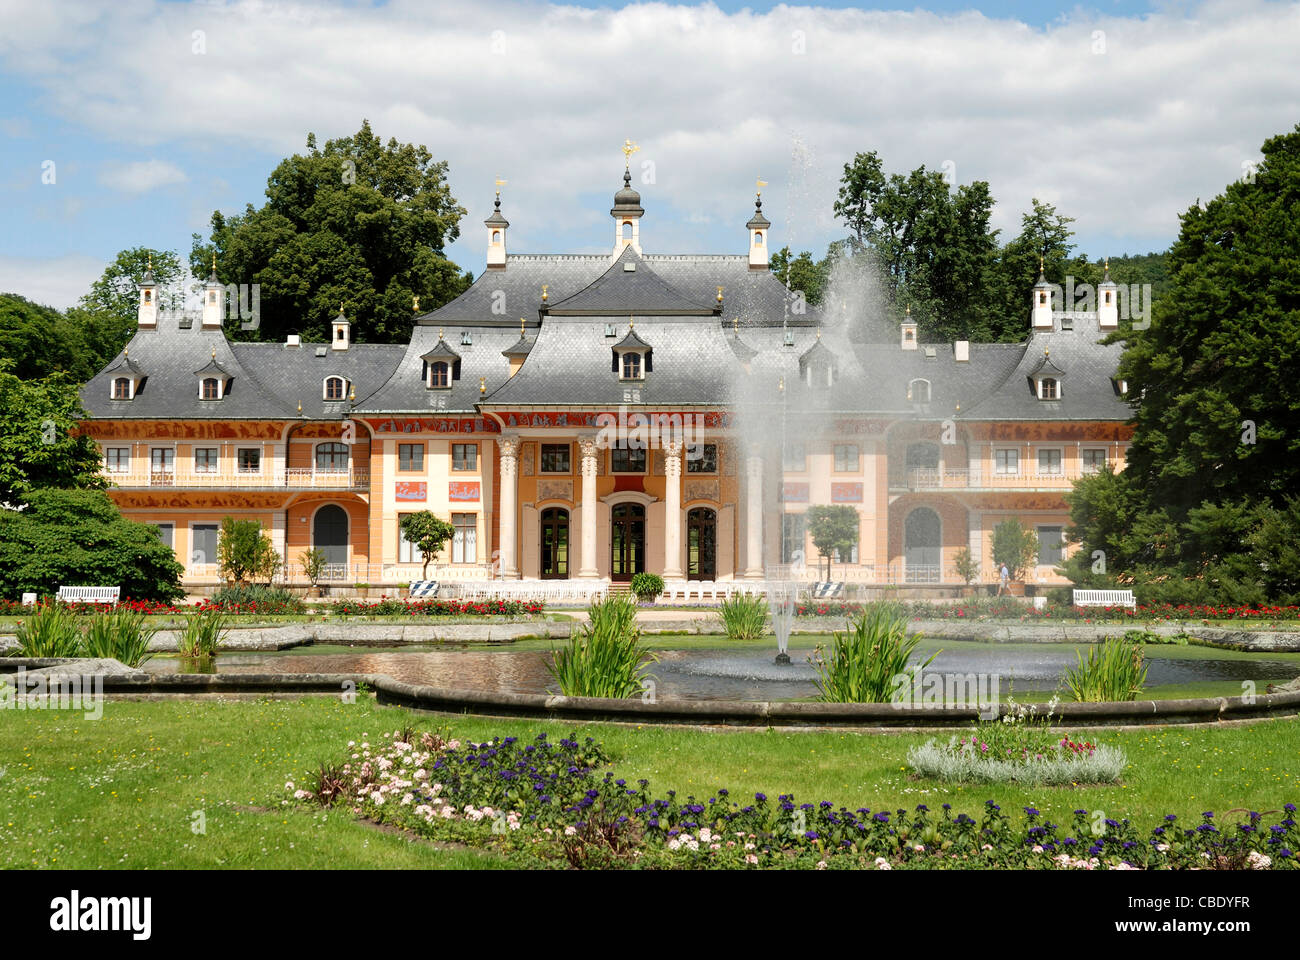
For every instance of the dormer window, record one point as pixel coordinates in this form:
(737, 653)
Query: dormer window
(210, 389)
(1049, 388)
(122, 388)
(466, 338)
(632, 356)
(440, 375)
(631, 366)
(336, 388)
(918, 391)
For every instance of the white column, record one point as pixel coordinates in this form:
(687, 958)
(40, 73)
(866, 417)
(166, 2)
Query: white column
(673, 510)
(508, 567)
(754, 515)
(588, 451)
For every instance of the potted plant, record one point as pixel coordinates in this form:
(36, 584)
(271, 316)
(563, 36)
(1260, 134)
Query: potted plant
(362, 589)
(313, 565)
(1016, 547)
(647, 586)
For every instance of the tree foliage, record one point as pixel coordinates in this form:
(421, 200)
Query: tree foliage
(1205, 509)
(113, 300)
(428, 534)
(245, 552)
(78, 537)
(1015, 545)
(40, 445)
(833, 529)
(357, 223)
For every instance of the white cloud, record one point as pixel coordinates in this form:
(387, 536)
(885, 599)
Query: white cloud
(57, 282)
(1123, 140)
(141, 176)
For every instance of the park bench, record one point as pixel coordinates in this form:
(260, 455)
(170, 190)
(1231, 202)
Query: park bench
(107, 595)
(1104, 598)
(424, 588)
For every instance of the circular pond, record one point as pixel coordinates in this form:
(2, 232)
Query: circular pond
(712, 670)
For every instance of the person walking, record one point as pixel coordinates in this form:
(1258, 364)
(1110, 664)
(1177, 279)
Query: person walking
(1006, 576)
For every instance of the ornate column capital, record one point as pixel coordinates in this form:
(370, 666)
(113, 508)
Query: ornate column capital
(508, 447)
(673, 458)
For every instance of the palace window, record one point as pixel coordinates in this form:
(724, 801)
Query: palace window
(440, 376)
(846, 458)
(331, 458)
(1051, 546)
(464, 543)
(623, 460)
(250, 460)
(205, 460)
(702, 458)
(918, 391)
(793, 527)
(1006, 462)
(631, 368)
(117, 459)
(410, 457)
(210, 389)
(793, 456)
(466, 338)
(1049, 463)
(1093, 460)
(122, 388)
(162, 459)
(336, 388)
(1049, 388)
(464, 457)
(167, 533)
(555, 458)
(406, 550)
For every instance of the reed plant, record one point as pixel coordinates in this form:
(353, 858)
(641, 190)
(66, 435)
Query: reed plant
(865, 661)
(744, 617)
(604, 658)
(51, 631)
(1114, 670)
(120, 636)
(202, 636)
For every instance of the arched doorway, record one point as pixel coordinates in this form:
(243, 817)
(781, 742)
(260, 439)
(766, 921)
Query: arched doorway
(555, 543)
(329, 534)
(627, 540)
(922, 546)
(701, 544)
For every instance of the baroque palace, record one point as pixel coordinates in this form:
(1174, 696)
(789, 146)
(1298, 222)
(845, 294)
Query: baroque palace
(593, 416)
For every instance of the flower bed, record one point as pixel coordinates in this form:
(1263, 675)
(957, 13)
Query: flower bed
(545, 803)
(393, 607)
(1010, 608)
(14, 608)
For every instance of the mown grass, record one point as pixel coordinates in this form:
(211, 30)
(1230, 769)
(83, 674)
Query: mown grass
(122, 791)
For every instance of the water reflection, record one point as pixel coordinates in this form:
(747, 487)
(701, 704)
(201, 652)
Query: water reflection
(722, 674)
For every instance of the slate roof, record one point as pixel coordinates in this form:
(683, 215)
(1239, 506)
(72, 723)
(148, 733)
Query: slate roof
(297, 374)
(629, 287)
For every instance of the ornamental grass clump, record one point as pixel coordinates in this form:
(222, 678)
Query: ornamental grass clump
(605, 657)
(1112, 671)
(49, 632)
(866, 660)
(202, 636)
(744, 617)
(120, 636)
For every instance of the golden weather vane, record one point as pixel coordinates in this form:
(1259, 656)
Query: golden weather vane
(500, 183)
(759, 184)
(629, 148)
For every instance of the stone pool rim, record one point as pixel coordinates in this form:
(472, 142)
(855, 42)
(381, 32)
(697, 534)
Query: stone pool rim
(739, 713)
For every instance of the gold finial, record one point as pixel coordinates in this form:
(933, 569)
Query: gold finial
(500, 183)
(958, 410)
(780, 385)
(352, 395)
(735, 325)
(214, 353)
(415, 303)
(341, 313)
(759, 184)
(819, 333)
(1040, 263)
(521, 328)
(482, 385)
(631, 324)
(151, 261)
(214, 261)
(629, 148)
(909, 311)
(440, 334)
(545, 295)
(1046, 352)
(300, 408)
(719, 294)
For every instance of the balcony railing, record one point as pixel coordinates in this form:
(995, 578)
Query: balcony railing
(961, 478)
(375, 574)
(293, 478)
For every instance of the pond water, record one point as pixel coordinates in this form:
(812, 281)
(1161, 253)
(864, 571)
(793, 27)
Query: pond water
(746, 673)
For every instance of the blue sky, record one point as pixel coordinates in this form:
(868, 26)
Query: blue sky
(155, 114)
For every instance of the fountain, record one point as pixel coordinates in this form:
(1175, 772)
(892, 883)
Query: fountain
(782, 599)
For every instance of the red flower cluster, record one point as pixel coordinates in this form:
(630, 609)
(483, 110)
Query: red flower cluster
(146, 607)
(392, 606)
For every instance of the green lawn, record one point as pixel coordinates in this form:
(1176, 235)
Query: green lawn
(123, 791)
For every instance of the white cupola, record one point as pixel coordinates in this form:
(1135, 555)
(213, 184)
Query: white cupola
(496, 232)
(1041, 315)
(214, 300)
(627, 213)
(907, 331)
(341, 331)
(758, 227)
(1107, 301)
(147, 312)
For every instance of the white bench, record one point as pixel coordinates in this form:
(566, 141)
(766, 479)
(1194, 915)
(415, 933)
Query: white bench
(1104, 598)
(107, 595)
